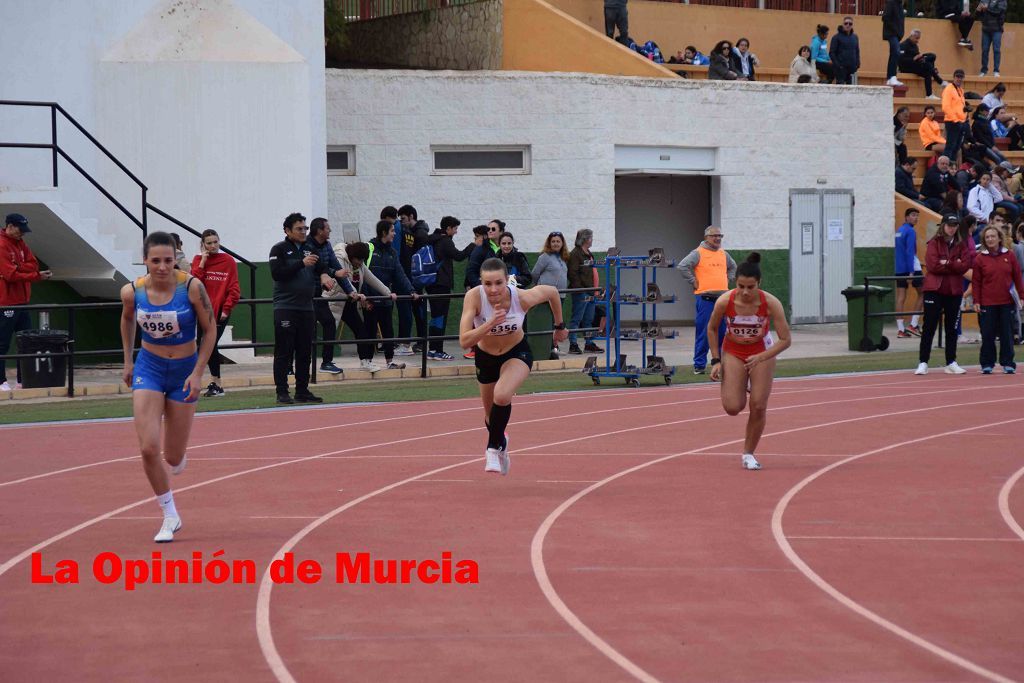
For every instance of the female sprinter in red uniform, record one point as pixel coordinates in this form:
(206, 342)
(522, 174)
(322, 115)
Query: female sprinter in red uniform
(492, 323)
(748, 353)
(166, 377)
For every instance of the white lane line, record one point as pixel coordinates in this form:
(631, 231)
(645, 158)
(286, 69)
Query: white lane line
(448, 480)
(537, 545)
(842, 598)
(283, 517)
(572, 396)
(954, 539)
(1004, 503)
(139, 517)
(733, 454)
(567, 481)
(263, 628)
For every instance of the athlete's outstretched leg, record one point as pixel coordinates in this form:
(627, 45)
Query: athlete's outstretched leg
(761, 377)
(178, 418)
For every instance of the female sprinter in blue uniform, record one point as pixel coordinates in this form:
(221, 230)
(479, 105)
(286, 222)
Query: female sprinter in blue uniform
(492, 323)
(747, 361)
(167, 375)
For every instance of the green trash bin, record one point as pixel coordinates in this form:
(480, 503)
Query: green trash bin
(539, 318)
(869, 339)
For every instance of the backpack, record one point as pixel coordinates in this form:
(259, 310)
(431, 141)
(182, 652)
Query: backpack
(424, 267)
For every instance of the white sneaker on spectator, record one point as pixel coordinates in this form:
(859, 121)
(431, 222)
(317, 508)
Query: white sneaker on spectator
(933, 96)
(167, 529)
(750, 462)
(922, 369)
(893, 81)
(954, 369)
(995, 74)
(493, 461)
(369, 365)
(5, 387)
(964, 339)
(403, 350)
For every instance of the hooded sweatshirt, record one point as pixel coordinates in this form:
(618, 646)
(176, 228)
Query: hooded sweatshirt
(220, 277)
(18, 270)
(446, 253)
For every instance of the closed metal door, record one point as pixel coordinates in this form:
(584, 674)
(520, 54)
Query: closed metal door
(805, 256)
(837, 252)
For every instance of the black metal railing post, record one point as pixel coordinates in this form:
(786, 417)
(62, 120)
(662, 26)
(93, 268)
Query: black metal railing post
(145, 215)
(252, 306)
(53, 140)
(424, 339)
(71, 350)
(867, 302)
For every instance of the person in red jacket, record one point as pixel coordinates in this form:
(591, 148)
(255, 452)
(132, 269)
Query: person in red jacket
(946, 261)
(996, 271)
(219, 274)
(18, 270)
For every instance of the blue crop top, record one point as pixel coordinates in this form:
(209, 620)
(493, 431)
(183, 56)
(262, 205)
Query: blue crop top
(170, 324)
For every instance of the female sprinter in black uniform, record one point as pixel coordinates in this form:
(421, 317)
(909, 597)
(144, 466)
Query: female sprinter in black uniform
(168, 373)
(748, 352)
(492, 322)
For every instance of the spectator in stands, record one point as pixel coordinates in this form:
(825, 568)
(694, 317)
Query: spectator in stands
(552, 268)
(616, 15)
(1000, 174)
(981, 132)
(319, 243)
(352, 308)
(930, 132)
(947, 260)
(993, 16)
(954, 111)
(180, 260)
(709, 269)
(295, 270)
(982, 199)
(899, 124)
(581, 276)
(892, 33)
(445, 253)
(820, 56)
(413, 236)
(743, 61)
(1015, 184)
(994, 97)
(18, 270)
(953, 202)
(995, 273)
(383, 263)
(845, 52)
(936, 184)
(720, 68)
(1005, 125)
(908, 266)
(905, 179)
(913, 61)
(515, 261)
(487, 249)
(692, 55)
(219, 274)
(802, 66)
(958, 12)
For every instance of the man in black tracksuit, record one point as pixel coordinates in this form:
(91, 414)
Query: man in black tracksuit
(408, 240)
(296, 271)
(445, 254)
(384, 264)
(319, 243)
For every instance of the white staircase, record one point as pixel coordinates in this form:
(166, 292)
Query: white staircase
(93, 262)
(235, 355)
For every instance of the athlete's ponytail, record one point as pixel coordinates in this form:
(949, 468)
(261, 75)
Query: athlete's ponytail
(751, 267)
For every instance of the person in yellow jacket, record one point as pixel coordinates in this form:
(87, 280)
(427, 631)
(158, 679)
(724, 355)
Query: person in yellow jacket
(931, 133)
(955, 110)
(709, 269)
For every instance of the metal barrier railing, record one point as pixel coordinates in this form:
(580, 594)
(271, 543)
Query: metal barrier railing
(868, 279)
(72, 353)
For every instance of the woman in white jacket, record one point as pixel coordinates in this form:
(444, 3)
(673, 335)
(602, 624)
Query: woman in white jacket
(350, 309)
(802, 66)
(981, 200)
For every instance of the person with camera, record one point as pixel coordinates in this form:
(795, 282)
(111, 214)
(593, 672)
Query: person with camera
(295, 270)
(955, 110)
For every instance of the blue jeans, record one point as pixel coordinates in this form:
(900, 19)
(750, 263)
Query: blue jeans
(700, 342)
(582, 316)
(894, 56)
(995, 39)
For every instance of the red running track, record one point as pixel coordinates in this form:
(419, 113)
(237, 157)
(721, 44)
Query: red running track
(882, 541)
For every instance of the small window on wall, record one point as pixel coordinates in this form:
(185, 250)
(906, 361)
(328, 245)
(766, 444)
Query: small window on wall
(341, 160)
(481, 160)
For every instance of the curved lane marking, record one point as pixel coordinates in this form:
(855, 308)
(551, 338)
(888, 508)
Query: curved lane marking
(1004, 503)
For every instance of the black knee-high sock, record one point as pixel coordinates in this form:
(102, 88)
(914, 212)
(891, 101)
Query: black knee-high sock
(498, 422)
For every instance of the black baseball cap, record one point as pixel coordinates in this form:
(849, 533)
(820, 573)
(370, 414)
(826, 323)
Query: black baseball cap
(19, 220)
(951, 219)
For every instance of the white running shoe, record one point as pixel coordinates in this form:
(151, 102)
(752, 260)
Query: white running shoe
(5, 387)
(369, 365)
(750, 462)
(922, 369)
(954, 369)
(503, 458)
(167, 529)
(493, 460)
(404, 350)
(180, 467)
(933, 96)
(894, 81)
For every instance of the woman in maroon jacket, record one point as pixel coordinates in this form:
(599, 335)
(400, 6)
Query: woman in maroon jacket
(946, 261)
(219, 274)
(996, 272)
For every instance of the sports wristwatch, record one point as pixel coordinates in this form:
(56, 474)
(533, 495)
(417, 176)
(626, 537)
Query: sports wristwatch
(559, 326)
